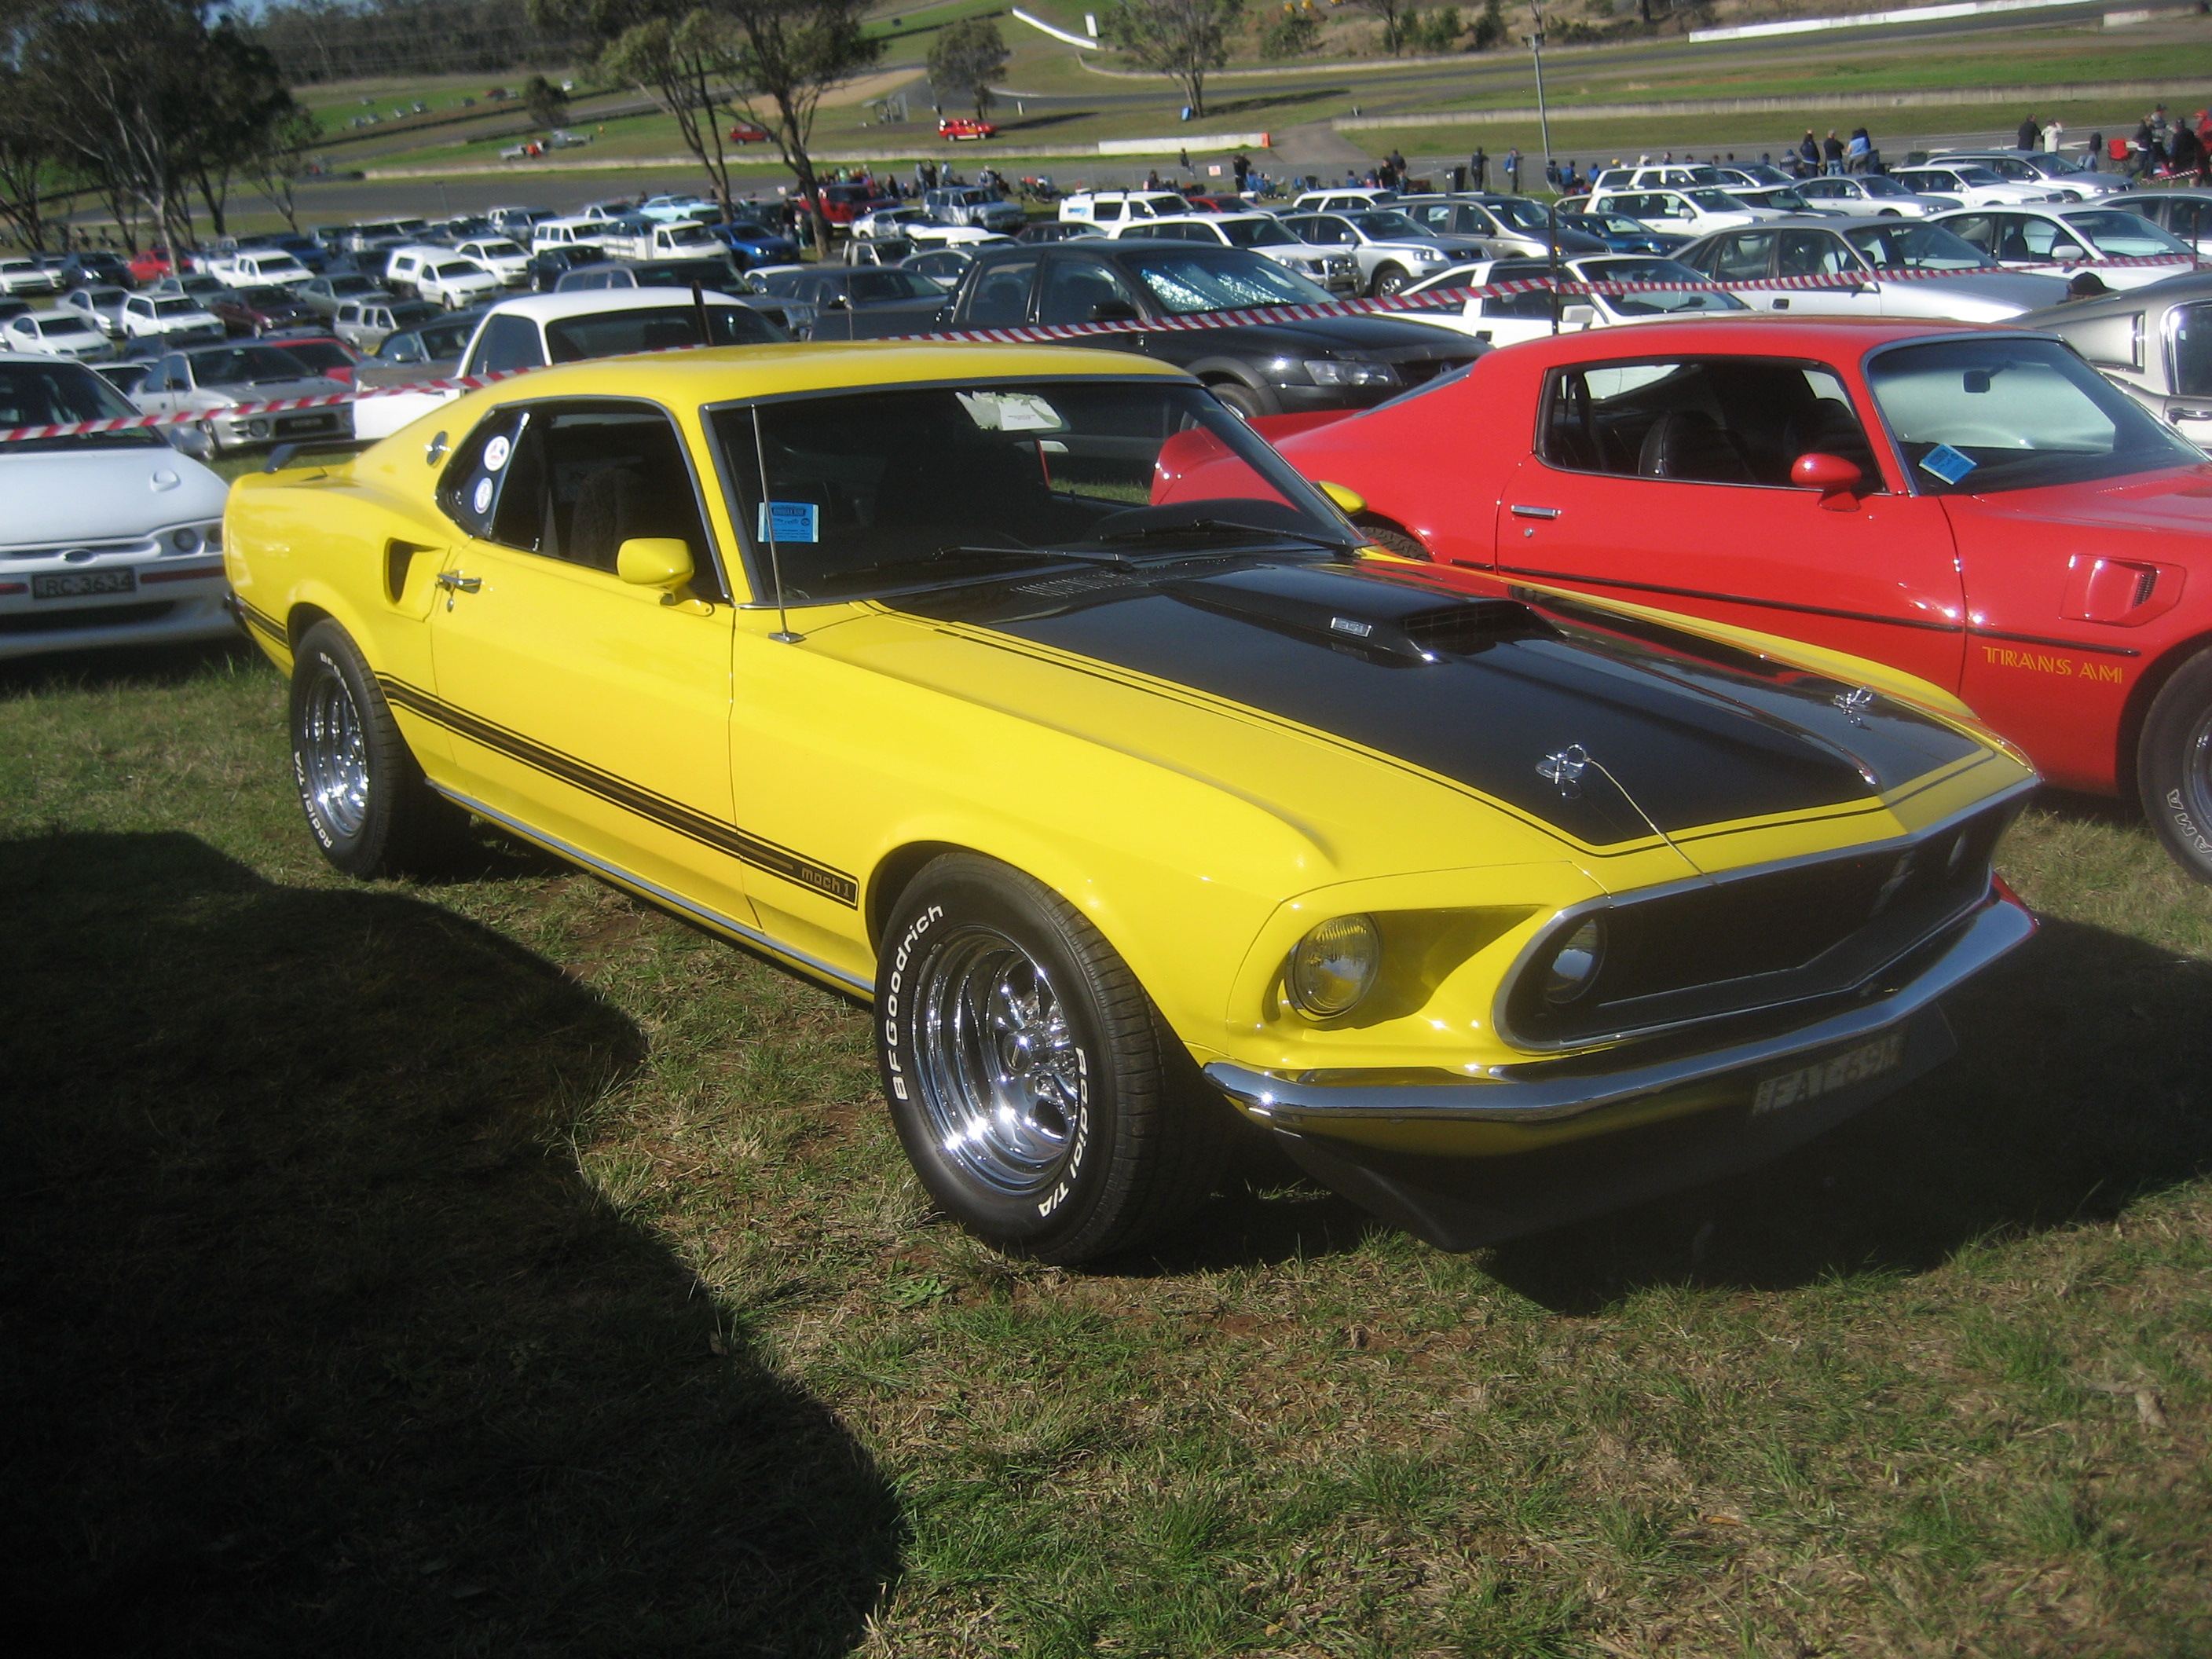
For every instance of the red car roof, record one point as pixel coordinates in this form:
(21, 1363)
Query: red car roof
(1822, 336)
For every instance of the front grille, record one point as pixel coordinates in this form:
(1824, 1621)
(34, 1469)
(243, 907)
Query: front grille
(288, 425)
(96, 616)
(1419, 371)
(141, 544)
(1811, 930)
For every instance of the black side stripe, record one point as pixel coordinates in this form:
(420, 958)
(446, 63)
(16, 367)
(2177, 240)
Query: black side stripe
(1814, 610)
(262, 622)
(670, 815)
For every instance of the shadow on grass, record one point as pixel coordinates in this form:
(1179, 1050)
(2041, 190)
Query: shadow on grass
(128, 667)
(1276, 100)
(1036, 123)
(2084, 1081)
(317, 1343)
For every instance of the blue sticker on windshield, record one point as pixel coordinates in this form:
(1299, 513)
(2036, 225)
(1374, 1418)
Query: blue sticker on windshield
(790, 521)
(1948, 463)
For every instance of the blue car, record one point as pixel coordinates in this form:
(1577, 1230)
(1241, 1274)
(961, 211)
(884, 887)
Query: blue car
(306, 249)
(1621, 234)
(756, 245)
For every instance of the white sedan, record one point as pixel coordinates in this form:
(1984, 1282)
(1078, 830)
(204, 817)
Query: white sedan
(1974, 185)
(111, 537)
(1872, 197)
(2065, 240)
(508, 260)
(101, 307)
(57, 333)
(172, 319)
(1688, 212)
(1884, 268)
(1508, 318)
(456, 284)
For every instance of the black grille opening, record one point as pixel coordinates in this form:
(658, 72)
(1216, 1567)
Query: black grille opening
(1812, 930)
(97, 616)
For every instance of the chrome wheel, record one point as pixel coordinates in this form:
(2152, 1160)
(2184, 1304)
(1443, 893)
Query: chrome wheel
(1002, 1078)
(334, 757)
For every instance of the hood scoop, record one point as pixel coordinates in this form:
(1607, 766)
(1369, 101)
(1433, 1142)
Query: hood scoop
(1380, 624)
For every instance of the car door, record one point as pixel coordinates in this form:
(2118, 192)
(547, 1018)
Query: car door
(592, 710)
(1851, 290)
(1666, 481)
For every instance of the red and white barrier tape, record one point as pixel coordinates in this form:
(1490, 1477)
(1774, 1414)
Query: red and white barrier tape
(1429, 300)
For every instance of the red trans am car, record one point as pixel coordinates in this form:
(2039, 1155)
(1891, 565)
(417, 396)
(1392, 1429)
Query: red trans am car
(965, 126)
(1976, 506)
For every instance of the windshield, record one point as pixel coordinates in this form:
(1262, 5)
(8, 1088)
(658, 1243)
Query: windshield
(1657, 302)
(1193, 280)
(874, 287)
(460, 268)
(1257, 232)
(1973, 417)
(498, 251)
(54, 326)
(889, 490)
(1900, 245)
(54, 394)
(176, 307)
(265, 297)
(1714, 201)
(1524, 214)
(1785, 198)
(1875, 184)
(1166, 207)
(2126, 235)
(1976, 176)
(244, 365)
(319, 354)
(1387, 224)
(619, 333)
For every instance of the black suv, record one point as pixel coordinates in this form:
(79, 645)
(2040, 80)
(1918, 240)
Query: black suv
(1256, 368)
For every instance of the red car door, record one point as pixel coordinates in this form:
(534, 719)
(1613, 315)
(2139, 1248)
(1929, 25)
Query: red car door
(1668, 482)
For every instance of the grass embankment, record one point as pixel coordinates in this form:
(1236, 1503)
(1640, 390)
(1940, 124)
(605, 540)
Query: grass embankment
(500, 1266)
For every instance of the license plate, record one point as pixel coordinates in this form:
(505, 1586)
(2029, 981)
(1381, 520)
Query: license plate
(1809, 1082)
(83, 584)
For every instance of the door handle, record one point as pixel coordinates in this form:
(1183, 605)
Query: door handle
(1521, 512)
(1781, 305)
(453, 581)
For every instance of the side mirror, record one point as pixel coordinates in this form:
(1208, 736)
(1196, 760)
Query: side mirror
(2068, 251)
(661, 562)
(1577, 316)
(1348, 502)
(1113, 310)
(1835, 478)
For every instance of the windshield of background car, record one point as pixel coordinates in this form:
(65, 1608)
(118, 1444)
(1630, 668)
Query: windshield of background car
(1226, 279)
(887, 490)
(659, 328)
(54, 394)
(1387, 225)
(1785, 198)
(1524, 214)
(1258, 233)
(321, 354)
(176, 307)
(1899, 245)
(1657, 302)
(244, 365)
(875, 287)
(2126, 235)
(1974, 417)
(1714, 201)
(1875, 184)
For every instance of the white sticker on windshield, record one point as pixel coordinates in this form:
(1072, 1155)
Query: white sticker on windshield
(1948, 463)
(483, 498)
(495, 454)
(1011, 411)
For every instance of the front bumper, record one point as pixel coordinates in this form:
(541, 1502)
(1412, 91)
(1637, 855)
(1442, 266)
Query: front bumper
(1465, 1163)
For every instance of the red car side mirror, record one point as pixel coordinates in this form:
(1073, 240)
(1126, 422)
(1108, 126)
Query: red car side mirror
(1835, 478)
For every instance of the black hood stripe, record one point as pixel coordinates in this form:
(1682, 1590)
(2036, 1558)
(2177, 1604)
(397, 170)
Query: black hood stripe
(1483, 692)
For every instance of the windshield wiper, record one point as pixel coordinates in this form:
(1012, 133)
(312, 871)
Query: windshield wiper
(1188, 525)
(1032, 554)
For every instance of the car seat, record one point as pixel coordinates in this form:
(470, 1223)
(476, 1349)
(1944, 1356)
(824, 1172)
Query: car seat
(1690, 445)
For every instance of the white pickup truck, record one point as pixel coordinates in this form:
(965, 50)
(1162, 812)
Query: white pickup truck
(252, 267)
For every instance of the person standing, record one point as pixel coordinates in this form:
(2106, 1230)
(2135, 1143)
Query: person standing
(1513, 171)
(2146, 150)
(1831, 153)
(1241, 164)
(1859, 155)
(2096, 160)
(2030, 133)
(1478, 168)
(2054, 137)
(2181, 149)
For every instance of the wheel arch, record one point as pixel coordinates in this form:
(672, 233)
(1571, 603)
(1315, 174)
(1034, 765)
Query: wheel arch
(2136, 708)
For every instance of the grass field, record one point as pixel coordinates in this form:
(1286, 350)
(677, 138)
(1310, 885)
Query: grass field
(500, 1267)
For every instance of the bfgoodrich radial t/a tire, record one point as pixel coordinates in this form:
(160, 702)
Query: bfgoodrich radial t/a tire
(1040, 1096)
(366, 803)
(2173, 766)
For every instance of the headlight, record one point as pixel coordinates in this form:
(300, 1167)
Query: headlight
(1429, 253)
(259, 429)
(1334, 966)
(186, 540)
(1331, 371)
(1574, 964)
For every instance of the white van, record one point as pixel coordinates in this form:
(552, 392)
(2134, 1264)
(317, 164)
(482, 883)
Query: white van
(564, 232)
(1106, 206)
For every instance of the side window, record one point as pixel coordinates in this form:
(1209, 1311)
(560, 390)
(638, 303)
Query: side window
(1075, 288)
(1332, 229)
(1000, 295)
(348, 313)
(1739, 256)
(1809, 253)
(1979, 228)
(1719, 420)
(2191, 330)
(575, 481)
(1144, 232)
(1105, 211)
(180, 374)
(507, 343)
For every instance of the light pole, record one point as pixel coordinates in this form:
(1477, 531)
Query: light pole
(1543, 118)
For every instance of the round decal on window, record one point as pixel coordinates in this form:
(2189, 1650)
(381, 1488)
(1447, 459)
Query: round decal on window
(483, 496)
(495, 454)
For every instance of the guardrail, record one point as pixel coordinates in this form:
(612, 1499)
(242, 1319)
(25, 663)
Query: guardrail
(1031, 334)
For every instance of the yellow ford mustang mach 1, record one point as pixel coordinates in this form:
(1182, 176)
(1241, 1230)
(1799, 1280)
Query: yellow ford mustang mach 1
(1123, 794)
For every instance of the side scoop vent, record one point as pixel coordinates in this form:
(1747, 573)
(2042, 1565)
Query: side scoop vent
(1462, 630)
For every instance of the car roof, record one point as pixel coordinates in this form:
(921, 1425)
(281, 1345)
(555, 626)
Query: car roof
(584, 302)
(1756, 333)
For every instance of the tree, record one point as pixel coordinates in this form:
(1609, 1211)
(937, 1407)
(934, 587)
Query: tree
(1490, 27)
(1291, 33)
(769, 60)
(1187, 39)
(1396, 16)
(965, 59)
(547, 104)
(280, 160)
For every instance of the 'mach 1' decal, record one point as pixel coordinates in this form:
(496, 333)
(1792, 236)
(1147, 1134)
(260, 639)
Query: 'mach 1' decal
(2043, 662)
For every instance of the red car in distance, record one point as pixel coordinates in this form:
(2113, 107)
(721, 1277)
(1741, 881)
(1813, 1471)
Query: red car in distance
(1976, 506)
(842, 203)
(748, 132)
(957, 127)
(328, 355)
(151, 264)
